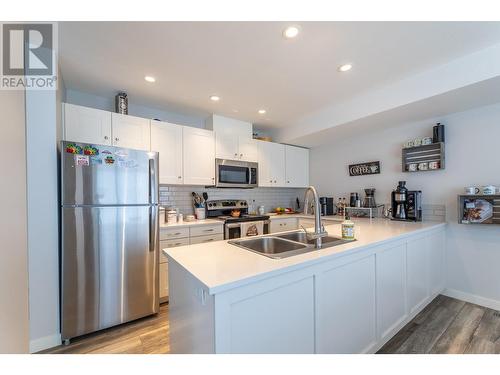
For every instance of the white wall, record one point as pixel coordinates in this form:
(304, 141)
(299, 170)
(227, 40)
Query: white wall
(43, 239)
(108, 104)
(472, 143)
(14, 325)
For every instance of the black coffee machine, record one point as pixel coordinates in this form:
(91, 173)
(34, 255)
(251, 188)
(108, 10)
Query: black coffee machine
(406, 204)
(326, 205)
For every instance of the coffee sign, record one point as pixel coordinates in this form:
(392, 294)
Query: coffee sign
(372, 167)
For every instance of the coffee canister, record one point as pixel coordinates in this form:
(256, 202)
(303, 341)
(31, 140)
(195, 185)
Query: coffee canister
(438, 133)
(121, 103)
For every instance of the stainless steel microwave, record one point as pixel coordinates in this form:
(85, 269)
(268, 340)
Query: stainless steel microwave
(235, 174)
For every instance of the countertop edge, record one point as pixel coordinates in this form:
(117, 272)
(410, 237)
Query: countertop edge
(212, 290)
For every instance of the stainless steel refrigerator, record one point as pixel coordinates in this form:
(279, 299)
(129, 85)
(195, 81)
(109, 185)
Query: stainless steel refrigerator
(109, 244)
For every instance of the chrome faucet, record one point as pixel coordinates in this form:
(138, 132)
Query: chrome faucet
(319, 229)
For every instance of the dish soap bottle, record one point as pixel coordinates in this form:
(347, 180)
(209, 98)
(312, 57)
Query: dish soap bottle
(347, 229)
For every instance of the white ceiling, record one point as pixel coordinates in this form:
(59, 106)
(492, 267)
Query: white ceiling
(251, 66)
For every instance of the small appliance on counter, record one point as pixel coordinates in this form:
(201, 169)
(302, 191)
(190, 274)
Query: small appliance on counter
(354, 200)
(406, 204)
(327, 206)
(370, 198)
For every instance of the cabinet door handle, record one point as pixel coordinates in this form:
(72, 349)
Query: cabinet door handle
(117, 139)
(106, 137)
(236, 154)
(271, 181)
(179, 177)
(210, 239)
(288, 182)
(274, 181)
(241, 155)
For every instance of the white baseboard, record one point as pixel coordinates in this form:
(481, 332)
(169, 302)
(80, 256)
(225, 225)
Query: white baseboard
(472, 298)
(45, 343)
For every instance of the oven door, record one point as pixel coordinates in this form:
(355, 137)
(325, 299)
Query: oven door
(232, 173)
(234, 230)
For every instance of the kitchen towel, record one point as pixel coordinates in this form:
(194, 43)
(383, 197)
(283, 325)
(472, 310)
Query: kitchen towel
(252, 228)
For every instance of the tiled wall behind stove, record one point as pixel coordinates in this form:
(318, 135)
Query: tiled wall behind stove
(180, 196)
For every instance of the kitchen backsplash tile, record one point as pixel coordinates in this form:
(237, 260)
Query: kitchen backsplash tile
(180, 196)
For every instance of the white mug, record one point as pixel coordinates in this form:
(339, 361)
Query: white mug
(489, 189)
(426, 140)
(423, 166)
(412, 167)
(417, 142)
(408, 144)
(433, 165)
(471, 190)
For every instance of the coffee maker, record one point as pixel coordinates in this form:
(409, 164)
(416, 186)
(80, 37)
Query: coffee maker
(406, 204)
(327, 207)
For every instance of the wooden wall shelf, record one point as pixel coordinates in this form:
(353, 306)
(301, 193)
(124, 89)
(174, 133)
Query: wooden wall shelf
(423, 154)
(479, 209)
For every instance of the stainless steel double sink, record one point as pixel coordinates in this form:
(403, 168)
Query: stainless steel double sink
(285, 245)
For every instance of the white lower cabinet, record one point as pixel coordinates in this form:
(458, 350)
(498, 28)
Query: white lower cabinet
(417, 273)
(436, 246)
(391, 288)
(281, 225)
(345, 302)
(163, 282)
(183, 236)
(349, 304)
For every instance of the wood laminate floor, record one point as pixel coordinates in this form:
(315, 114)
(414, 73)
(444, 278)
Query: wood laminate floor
(144, 336)
(446, 325)
(450, 326)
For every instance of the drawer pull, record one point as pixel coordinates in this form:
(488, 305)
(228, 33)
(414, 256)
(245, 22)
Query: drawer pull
(211, 239)
(208, 230)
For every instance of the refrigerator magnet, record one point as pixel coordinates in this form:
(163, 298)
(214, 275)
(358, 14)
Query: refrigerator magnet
(90, 150)
(95, 160)
(109, 160)
(81, 160)
(73, 148)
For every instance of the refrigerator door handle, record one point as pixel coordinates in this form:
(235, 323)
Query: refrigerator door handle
(152, 181)
(153, 224)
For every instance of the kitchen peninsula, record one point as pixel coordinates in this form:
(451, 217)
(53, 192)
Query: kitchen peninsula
(350, 298)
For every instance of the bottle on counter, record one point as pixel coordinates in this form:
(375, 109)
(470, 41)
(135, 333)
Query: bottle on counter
(339, 207)
(347, 229)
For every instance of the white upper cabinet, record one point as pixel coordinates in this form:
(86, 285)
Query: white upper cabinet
(199, 156)
(271, 164)
(227, 125)
(166, 139)
(235, 147)
(87, 125)
(247, 149)
(131, 132)
(233, 138)
(297, 166)
(226, 146)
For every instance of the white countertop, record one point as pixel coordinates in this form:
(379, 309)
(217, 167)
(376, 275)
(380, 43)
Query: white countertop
(187, 224)
(221, 266)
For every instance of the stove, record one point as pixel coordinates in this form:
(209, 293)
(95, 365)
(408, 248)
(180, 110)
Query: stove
(237, 226)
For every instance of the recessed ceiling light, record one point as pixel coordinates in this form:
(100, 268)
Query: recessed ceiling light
(261, 111)
(345, 67)
(291, 32)
(214, 98)
(150, 79)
